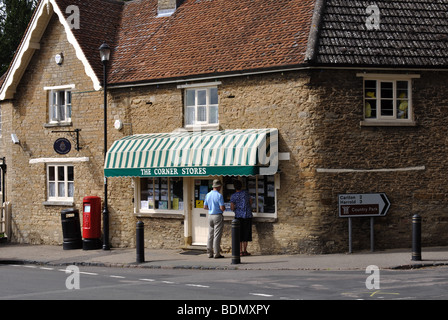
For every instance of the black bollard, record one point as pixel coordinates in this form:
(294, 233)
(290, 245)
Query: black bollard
(140, 243)
(236, 241)
(416, 238)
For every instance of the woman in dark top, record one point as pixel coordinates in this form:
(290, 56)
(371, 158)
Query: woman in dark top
(241, 204)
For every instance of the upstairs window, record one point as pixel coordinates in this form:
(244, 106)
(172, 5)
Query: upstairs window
(201, 107)
(388, 99)
(59, 104)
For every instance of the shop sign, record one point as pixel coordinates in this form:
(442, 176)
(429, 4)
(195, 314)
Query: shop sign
(173, 172)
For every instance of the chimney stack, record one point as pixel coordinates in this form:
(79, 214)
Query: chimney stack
(165, 8)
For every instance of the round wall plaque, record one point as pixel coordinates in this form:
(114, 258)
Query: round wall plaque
(62, 146)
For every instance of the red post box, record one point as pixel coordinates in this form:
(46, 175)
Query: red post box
(91, 223)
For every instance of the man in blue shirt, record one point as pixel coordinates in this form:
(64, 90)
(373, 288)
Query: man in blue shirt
(214, 202)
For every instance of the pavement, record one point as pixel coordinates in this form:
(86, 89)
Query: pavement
(198, 259)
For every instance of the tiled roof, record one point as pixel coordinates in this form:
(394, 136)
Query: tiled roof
(202, 37)
(411, 33)
(99, 22)
(211, 37)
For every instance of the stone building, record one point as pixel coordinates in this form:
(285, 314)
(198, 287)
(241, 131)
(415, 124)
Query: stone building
(301, 100)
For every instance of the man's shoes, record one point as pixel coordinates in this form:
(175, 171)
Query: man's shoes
(218, 257)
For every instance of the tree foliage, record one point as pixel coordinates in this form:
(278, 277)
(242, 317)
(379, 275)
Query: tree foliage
(14, 18)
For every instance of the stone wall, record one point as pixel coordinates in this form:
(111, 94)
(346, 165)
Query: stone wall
(27, 117)
(341, 143)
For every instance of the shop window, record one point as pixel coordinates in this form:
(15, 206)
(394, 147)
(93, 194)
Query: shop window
(261, 189)
(161, 194)
(60, 182)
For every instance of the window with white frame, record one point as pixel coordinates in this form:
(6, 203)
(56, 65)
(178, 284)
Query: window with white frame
(201, 106)
(388, 97)
(160, 194)
(60, 104)
(60, 182)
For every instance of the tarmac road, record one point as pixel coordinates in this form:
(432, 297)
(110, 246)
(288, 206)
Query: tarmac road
(34, 282)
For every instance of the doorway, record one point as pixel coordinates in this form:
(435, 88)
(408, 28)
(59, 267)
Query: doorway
(199, 216)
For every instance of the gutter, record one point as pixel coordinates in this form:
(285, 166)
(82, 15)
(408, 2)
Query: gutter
(208, 78)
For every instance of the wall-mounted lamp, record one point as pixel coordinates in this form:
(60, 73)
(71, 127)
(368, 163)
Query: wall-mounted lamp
(118, 124)
(59, 58)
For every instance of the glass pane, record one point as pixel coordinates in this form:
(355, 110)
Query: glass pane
(51, 189)
(70, 171)
(51, 173)
(69, 104)
(202, 113)
(370, 89)
(61, 189)
(202, 97)
(214, 96)
(387, 90)
(53, 106)
(387, 107)
(252, 189)
(190, 98)
(177, 193)
(61, 109)
(61, 105)
(213, 114)
(189, 119)
(402, 100)
(71, 189)
(269, 194)
(61, 95)
(69, 111)
(370, 109)
(61, 174)
(146, 193)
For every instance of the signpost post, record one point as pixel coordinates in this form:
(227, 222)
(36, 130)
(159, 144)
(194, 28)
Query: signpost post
(362, 205)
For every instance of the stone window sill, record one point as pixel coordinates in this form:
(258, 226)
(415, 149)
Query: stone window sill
(59, 203)
(391, 123)
(58, 124)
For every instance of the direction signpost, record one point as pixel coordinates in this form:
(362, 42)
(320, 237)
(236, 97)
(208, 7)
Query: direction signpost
(362, 205)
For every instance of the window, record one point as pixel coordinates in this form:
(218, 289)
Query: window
(262, 190)
(161, 194)
(388, 98)
(201, 106)
(60, 106)
(60, 182)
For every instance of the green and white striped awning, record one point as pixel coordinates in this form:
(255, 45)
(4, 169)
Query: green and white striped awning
(206, 153)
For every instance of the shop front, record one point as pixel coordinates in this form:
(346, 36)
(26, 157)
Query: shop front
(173, 172)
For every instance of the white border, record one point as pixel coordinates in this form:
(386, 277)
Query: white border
(29, 43)
(59, 160)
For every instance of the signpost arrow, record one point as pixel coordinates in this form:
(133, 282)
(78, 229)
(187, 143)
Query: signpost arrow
(363, 205)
